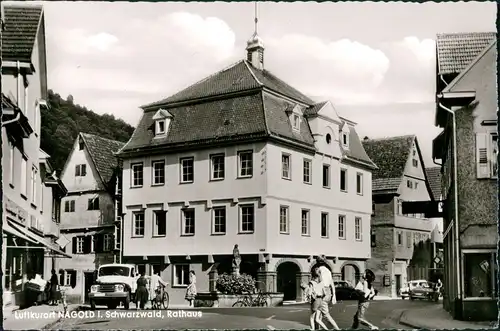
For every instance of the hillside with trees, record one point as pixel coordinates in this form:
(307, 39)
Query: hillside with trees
(64, 119)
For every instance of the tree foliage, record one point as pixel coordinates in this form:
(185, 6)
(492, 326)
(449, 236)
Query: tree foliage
(64, 119)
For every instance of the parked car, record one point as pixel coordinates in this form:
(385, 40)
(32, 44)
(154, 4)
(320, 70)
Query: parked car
(404, 292)
(344, 291)
(423, 290)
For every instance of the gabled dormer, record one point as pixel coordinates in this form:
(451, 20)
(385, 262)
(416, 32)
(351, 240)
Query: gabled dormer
(161, 120)
(344, 135)
(295, 116)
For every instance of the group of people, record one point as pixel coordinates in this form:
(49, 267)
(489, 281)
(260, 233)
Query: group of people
(321, 293)
(150, 288)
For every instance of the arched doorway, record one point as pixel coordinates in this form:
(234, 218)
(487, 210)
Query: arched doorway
(350, 273)
(286, 275)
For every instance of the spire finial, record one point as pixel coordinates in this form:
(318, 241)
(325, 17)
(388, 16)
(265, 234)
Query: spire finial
(256, 18)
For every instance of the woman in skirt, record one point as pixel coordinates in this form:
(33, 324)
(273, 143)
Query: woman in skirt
(141, 293)
(191, 289)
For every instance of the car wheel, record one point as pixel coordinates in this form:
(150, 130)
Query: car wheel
(92, 304)
(411, 298)
(126, 302)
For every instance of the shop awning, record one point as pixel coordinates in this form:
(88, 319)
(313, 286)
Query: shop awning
(42, 241)
(13, 231)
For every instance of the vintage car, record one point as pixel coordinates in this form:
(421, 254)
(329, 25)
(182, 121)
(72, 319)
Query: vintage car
(404, 292)
(345, 291)
(115, 284)
(423, 290)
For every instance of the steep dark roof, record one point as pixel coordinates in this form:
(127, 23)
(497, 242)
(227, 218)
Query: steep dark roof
(240, 76)
(314, 109)
(434, 178)
(390, 155)
(455, 51)
(101, 152)
(20, 30)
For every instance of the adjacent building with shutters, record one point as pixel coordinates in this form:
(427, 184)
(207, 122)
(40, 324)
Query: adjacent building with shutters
(31, 190)
(242, 157)
(88, 212)
(397, 239)
(467, 148)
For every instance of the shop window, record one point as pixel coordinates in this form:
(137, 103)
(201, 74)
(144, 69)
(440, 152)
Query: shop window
(480, 274)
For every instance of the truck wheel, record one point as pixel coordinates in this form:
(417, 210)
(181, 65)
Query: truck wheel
(126, 302)
(92, 304)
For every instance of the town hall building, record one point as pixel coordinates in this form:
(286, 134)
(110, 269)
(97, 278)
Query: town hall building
(242, 157)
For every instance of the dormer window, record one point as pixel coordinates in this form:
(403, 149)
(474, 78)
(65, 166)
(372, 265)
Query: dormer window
(345, 139)
(80, 144)
(160, 127)
(162, 120)
(296, 121)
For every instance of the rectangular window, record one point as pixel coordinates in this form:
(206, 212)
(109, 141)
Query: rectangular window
(137, 174)
(219, 220)
(480, 274)
(285, 166)
(409, 183)
(24, 174)
(108, 242)
(217, 165)
(187, 170)
(344, 139)
(296, 122)
(93, 204)
(245, 164)
(34, 172)
(181, 272)
(494, 155)
(373, 238)
(342, 230)
(343, 180)
(12, 163)
(399, 206)
(69, 206)
(307, 171)
(408, 239)
(158, 172)
(400, 238)
(81, 145)
(284, 219)
(415, 163)
(80, 241)
(80, 170)
(486, 155)
(305, 224)
(358, 231)
(160, 127)
(324, 225)
(359, 183)
(326, 176)
(188, 222)
(138, 230)
(247, 218)
(160, 223)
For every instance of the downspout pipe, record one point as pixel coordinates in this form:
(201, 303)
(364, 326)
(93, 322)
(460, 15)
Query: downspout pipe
(455, 193)
(18, 94)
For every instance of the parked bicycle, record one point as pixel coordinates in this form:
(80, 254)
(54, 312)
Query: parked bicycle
(161, 299)
(247, 300)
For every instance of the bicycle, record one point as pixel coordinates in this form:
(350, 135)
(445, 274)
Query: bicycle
(247, 300)
(162, 299)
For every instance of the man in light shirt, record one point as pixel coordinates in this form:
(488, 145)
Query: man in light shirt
(329, 289)
(154, 283)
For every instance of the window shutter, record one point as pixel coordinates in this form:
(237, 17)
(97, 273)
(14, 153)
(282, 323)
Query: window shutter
(74, 245)
(86, 244)
(99, 243)
(482, 162)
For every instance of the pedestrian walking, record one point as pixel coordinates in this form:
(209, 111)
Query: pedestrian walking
(326, 280)
(366, 292)
(156, 286)
(54, 283)
(191, 289)
(142, 291)
(315, 295)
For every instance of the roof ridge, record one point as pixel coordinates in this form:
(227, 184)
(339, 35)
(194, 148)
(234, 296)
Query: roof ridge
(163, 100)
(23, 5)
(468, 33)
(101, 137)
(252, 73)
(469, 67)
(391, 138)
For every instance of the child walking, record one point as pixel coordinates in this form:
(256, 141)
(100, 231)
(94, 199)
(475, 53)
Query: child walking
(315, 295)
(366, 293)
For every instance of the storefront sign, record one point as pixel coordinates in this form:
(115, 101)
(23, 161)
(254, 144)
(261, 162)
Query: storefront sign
(431, 209)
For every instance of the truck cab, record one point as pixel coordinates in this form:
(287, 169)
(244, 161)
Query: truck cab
(115, 284)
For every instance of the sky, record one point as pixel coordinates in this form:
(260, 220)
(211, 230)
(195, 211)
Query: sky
(374, 61)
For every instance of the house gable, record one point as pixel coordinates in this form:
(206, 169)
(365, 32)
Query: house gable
(77, 158)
